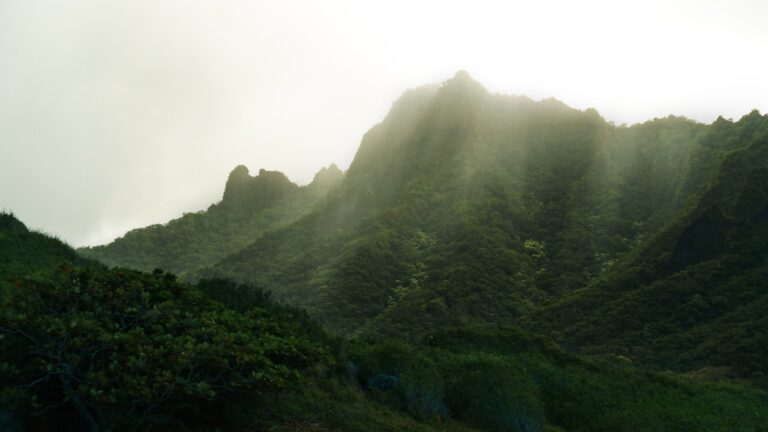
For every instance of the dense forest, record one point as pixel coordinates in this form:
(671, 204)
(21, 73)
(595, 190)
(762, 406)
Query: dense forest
(487, 263)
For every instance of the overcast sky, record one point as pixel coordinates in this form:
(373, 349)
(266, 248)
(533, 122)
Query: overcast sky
(120, 114)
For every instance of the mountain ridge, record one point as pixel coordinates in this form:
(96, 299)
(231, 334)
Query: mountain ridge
(250, 205)
(465, 207)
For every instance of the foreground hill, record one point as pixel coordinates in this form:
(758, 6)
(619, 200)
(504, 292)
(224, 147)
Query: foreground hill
(23, 251)
(114, 349)
(87, 348)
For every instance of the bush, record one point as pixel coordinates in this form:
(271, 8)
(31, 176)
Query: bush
(401, 376)
(119, 349)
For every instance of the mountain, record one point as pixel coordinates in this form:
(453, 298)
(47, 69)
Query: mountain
(467, 208)
(463, 206)
(487, 263)
(251, 205)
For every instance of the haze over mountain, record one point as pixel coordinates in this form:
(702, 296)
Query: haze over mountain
(138, 109)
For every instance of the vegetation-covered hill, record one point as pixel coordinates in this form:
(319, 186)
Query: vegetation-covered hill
(696, 294)
(250, 207)
(87, 348)
(466, 207)
(98, 349)
(23, 251)
(91, 348)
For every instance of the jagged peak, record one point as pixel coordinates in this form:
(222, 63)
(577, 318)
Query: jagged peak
(463, 82)
(240, 171)
(241, 187)
(412, 101)
(458, 96)
(329, 172)
(327, 178)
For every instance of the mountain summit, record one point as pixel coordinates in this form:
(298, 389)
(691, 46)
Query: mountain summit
(258, 192)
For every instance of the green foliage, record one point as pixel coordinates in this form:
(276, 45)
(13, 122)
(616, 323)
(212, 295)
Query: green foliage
(400, 375)
(492, 393)
(23, 251)
(504, 379)
(646, 246)
(690, 297)
(92, 348)
(127, 350)
(330, 405)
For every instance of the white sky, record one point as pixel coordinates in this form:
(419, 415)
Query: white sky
(120, 114)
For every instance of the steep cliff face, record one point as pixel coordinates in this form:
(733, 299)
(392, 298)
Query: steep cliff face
(256, 193)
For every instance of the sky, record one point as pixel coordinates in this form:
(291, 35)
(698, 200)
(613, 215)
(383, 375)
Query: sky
(121, 114)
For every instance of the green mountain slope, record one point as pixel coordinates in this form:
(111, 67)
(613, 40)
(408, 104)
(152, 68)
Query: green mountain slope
(464, 206)
(694, 295)
(250, 207)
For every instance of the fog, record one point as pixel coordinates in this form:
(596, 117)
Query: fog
(121, 114)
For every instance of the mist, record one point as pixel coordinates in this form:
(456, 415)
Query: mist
(123, 114)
